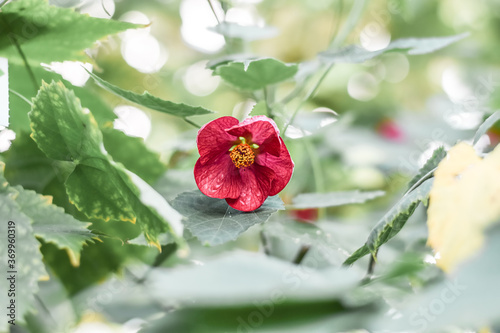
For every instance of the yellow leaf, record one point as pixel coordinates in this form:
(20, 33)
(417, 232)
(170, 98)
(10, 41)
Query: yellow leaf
(464, 200)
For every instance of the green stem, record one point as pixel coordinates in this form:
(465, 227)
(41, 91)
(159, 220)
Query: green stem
(319, 183)
(213, 11)
(21, 97)
(191, 123)
(13, 39)
(304, 249)
(308, 96)
(266, 100)
(353, 18)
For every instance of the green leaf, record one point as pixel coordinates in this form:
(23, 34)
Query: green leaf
(47, 33)
(240, 278)
(27, 266)
(392, 222)
(53, 225)
(60, 127)
(256, 74)
(248, 33)
(19, 81)
(126, 149)
(152, 102)
(320, 200)
(430, 165)
(97, 186)
(214, 222)
(486, 125)
(413, 46)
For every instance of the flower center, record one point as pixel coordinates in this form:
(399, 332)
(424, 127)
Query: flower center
(242, 155)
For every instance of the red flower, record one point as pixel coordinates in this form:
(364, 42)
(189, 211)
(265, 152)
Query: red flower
(243, 163)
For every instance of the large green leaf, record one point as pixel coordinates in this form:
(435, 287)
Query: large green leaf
(126, 149)
(256, 74)
(413, 46)
(152, 102)
(430, 165)
(214, 222)
(97, 186)
(20, 245)
(60, 127)
(319, 200)
(47, 33)
(392, 222)
(53, 225)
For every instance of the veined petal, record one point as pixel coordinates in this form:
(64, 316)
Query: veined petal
(213, 139)
(282, 166)
(255, 185)
(260, 130)
(218, 177)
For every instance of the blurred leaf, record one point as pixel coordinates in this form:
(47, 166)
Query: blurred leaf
(97, 186)
(430, 165)
(152, 102)
(214, 222)
(413, 46)
(248, 33)
(133, 154)
(319, 200)
(485, 126)
(26, 264)
(256, 74)
(392, 222)
(53, 225)
(48, 33)
(464, 200)
(240, 278)
(467, 299)
(60, 127)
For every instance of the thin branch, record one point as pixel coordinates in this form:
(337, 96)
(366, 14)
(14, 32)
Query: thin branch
(265, 243)
(13, 39)
(191, 123)
(213, 10)
(21, 97)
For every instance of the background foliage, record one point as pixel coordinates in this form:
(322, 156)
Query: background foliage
(371, 98)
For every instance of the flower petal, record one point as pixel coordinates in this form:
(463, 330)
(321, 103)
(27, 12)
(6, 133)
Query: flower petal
(218, 177)
(282, 166)
(256, 182)
(261, 130)
(213, 139)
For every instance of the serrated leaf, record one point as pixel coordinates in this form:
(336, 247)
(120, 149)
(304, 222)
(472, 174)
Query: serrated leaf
(27, 266)
(332, 199)
(464, 201)
(214, 222)
(48, 33)
(125, 150)
(256, 74)
(430, 165)
(413, 46)
(248, 33)
(53, 225)
(97, 186)
(486, 125)
(152, 102)
(60, 127)
(392, 222)
(19, 82)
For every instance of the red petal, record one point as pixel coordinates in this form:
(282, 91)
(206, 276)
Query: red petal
(260, 130)
(218, 178)
(282, 166)
(256, 183)
(213, 139)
